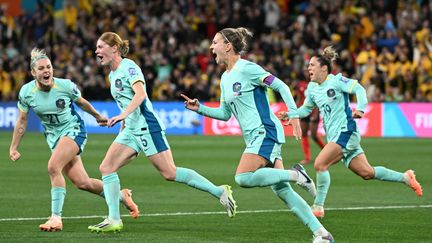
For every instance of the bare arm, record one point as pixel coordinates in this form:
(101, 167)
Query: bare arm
(138, 98)
(18, 133)
(87, 107)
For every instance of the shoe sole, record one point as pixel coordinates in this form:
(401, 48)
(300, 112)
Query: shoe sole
(50, 229)
(414, 184)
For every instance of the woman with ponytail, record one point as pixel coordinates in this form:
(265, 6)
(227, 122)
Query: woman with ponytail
(244, 95)
(141, 130)
(330, 94)
(51, 99)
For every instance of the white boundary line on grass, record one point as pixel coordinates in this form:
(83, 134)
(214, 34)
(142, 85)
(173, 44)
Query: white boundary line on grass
(212, 213)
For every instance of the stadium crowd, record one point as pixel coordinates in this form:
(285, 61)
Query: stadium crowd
(386, 45)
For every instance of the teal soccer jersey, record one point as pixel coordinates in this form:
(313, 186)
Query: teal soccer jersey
(244, 94)
(332, 99)
(143, 119)
(55, 110)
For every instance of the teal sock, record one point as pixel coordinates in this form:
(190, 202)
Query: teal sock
(384, 174)
(297, 205)
(111, 185)
(323, 185)
(58, 195)
(263, 177)
(102, 194)
(195, 180)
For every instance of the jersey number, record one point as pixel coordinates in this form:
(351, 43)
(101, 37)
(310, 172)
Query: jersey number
(53, 118)
(326, 108)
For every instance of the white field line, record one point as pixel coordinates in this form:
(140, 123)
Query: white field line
(213, 213)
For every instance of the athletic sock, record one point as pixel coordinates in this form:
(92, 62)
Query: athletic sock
(58, 195)
(195, 180)
(323, 185)
(111, 185)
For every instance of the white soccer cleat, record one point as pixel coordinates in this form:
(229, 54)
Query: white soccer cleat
(107, 226)
(304, 180)
(328, 238)
(228, 201)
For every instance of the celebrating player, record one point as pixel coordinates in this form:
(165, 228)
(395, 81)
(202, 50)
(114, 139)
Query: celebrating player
(330, 93)
(244, 94)
(51, 98)
(141, 130)
(307, 124)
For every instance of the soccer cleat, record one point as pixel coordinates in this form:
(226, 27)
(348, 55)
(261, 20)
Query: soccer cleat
(129, 203)
(410, 180)
(227, 200)
(328, 238)
(106, 226)
(304, 180)
(318, 211)
(53, 224)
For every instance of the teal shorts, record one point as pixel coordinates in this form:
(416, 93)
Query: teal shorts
(350, 143)
(76, 132)
(263, 146)
(150, 143)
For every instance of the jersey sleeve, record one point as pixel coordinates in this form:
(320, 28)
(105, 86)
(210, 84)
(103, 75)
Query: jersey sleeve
(255, 73)
(74, 91)
(308, 104)
(22, 104)
(345, 84)
(352, 86)
(221, 113)
(134, 73)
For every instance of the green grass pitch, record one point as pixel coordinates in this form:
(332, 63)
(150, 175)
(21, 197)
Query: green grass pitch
(358, 211)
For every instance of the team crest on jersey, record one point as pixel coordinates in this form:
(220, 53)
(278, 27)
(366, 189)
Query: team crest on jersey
(236, 89)
(60, 103)
(132, 71)
(331, 93)
(119, 85)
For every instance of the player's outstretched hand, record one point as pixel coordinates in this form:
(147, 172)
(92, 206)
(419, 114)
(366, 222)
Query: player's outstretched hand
(114, 120)
(102, 121)
(295, 123)
(283, 116)
(191, 104)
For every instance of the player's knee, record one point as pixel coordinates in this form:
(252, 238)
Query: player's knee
(107, 168)
(319, 166)
(53, 170)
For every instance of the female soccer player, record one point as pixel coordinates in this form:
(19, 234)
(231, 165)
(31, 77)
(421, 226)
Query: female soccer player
(51, 98)
(309, 123)
(330, 93)
(244, 94)
(141, 131)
